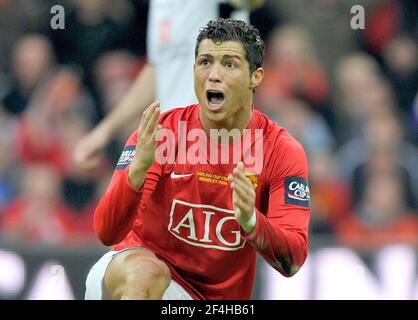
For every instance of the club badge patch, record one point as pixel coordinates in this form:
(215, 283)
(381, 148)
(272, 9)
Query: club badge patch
(126, 157)
(297, 191)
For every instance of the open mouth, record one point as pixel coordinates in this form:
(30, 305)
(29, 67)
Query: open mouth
(215, 99)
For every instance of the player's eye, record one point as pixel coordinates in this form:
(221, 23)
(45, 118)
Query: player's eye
(230, 65)
(204, 62)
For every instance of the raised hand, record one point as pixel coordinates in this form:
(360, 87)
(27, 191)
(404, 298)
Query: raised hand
(146, 144)
(243, 197)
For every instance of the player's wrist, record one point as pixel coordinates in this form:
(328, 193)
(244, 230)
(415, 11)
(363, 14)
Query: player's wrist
(249, 225)
(136, 174)
(141, 163)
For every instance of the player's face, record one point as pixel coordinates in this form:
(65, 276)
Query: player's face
(224, 85)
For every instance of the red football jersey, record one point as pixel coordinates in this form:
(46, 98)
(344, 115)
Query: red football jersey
(184, 212)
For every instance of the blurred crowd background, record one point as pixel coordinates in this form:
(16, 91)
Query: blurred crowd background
(349, 96)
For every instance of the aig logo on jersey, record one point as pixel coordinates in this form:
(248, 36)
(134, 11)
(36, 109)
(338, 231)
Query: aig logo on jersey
(126, 157)
(297, 191)
(205, 226)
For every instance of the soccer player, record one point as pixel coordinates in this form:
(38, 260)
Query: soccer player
(172, 30)
(185, 224)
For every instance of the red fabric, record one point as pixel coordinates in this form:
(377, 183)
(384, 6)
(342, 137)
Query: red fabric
(36, 222)
(356, 233)
(188, 222)
(331, 199)
(37, 145)
(85, 224)
(288, 80)
(382, 25)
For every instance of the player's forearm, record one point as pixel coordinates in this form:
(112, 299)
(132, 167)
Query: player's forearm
(137, 173)
(117, 210)
(139, 96)
(284, 250)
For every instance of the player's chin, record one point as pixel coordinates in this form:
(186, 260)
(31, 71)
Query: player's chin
(216, 116)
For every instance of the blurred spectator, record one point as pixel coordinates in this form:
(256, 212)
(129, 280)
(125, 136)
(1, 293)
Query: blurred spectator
(382, 217)
(305, 124)
(330, 194)
(7, 188)
(33, 60)
(361, 92)
(9, 172)
(92, 28)
(38, 215)
(382, 161)
(40, 136)
(115, 72)
(328, 22)
(60, 112)
(18, 17)
(79, 187)
(387, 20)
(292, 69)
(401, 61)
(381, 144)
(383, 23)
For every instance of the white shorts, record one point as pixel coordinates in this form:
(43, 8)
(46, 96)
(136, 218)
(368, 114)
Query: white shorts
(94, 281)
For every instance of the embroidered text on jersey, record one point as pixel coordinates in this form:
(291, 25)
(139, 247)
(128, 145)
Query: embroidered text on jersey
(212, 178)
(223, 180)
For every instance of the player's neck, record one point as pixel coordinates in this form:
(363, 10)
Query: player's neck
(240, 120)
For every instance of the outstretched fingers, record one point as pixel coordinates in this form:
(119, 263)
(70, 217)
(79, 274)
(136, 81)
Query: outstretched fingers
(243, 194)
(149, 120)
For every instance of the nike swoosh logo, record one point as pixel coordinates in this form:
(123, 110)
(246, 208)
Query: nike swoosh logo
(176, 176)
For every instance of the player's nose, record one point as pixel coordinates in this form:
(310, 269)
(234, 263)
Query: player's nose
(215, 73)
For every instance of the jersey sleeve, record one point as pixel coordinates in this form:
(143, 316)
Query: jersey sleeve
(117, 209)
(281, 235)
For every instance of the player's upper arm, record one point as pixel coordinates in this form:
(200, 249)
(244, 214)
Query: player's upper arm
(289, 174)
(289, 198)
(126, 157)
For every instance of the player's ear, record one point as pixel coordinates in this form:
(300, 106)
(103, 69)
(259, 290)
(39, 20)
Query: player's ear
(256, 77)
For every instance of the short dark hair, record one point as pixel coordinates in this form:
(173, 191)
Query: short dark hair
(235, 30)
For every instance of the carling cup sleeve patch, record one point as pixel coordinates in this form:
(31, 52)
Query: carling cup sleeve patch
(126, 157)
(297, 191)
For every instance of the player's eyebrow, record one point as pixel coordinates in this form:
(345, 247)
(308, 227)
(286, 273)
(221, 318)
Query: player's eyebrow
(207, 55)
(232, 56)
(224, 57)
